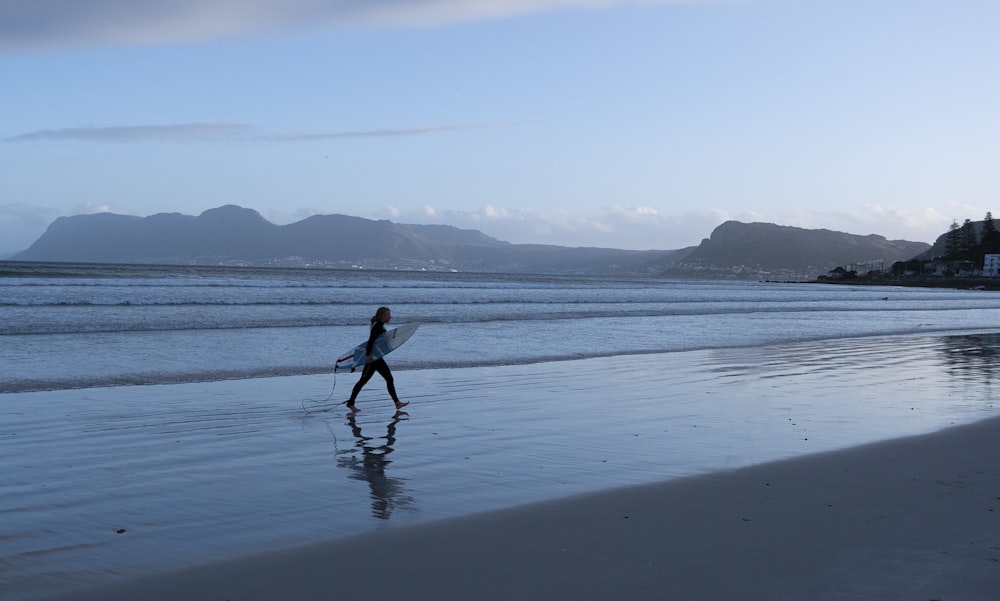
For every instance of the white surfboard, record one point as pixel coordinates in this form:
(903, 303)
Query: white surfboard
(384, 344)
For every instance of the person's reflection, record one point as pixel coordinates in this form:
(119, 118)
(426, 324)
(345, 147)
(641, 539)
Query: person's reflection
(387, 493)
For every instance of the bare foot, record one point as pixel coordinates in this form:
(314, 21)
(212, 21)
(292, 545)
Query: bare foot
(353, 408)
(400, 405)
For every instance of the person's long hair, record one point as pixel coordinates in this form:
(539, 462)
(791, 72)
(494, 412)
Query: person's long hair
(378, 314)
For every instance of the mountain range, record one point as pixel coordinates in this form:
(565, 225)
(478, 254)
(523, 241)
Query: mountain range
(233, 235)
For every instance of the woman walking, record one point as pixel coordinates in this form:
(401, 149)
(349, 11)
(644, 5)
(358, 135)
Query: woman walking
(381, 317)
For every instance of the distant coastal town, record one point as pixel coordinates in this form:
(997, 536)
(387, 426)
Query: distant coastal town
(970, 259)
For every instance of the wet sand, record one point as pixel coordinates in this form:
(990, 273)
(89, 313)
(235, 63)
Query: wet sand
(109, 486)
(910, 519)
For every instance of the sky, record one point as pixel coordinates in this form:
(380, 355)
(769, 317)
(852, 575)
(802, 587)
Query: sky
(637, 124)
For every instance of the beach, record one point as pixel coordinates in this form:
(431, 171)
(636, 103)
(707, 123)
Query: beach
(836, 469)
(917, 518)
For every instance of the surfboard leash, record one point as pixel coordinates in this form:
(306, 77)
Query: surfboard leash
(323, 401)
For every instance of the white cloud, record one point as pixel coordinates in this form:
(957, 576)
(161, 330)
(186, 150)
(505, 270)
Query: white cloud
(909, 219)
(491, 212)
(207, 132)
(138, 133)
(636, 214)
(44, 25)
(374, 133)
(639, 228)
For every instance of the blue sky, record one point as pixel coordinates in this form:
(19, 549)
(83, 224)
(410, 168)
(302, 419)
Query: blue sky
(628, 124)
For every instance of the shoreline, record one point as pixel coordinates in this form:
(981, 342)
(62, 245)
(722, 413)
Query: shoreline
(912, 518)
(953, 283)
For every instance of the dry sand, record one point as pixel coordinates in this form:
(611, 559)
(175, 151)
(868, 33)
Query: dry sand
(913, 519)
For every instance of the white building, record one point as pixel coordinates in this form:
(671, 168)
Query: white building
(991, 266)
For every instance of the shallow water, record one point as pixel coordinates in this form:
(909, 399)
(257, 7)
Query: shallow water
(106, 483)
(77, 326)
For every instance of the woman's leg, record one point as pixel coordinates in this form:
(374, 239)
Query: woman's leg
(385, 372)
(366, 374)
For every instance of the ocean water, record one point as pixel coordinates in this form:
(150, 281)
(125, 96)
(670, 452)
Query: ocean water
(160, 417)
(76, 326)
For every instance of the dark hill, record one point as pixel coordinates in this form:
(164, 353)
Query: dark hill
(765, 250)
(982, 243)
(233, 235)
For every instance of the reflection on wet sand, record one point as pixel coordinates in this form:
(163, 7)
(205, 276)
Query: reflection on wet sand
(387, 493)
(972, 357)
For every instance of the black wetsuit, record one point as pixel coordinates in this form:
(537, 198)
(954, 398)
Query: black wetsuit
(378, 365)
